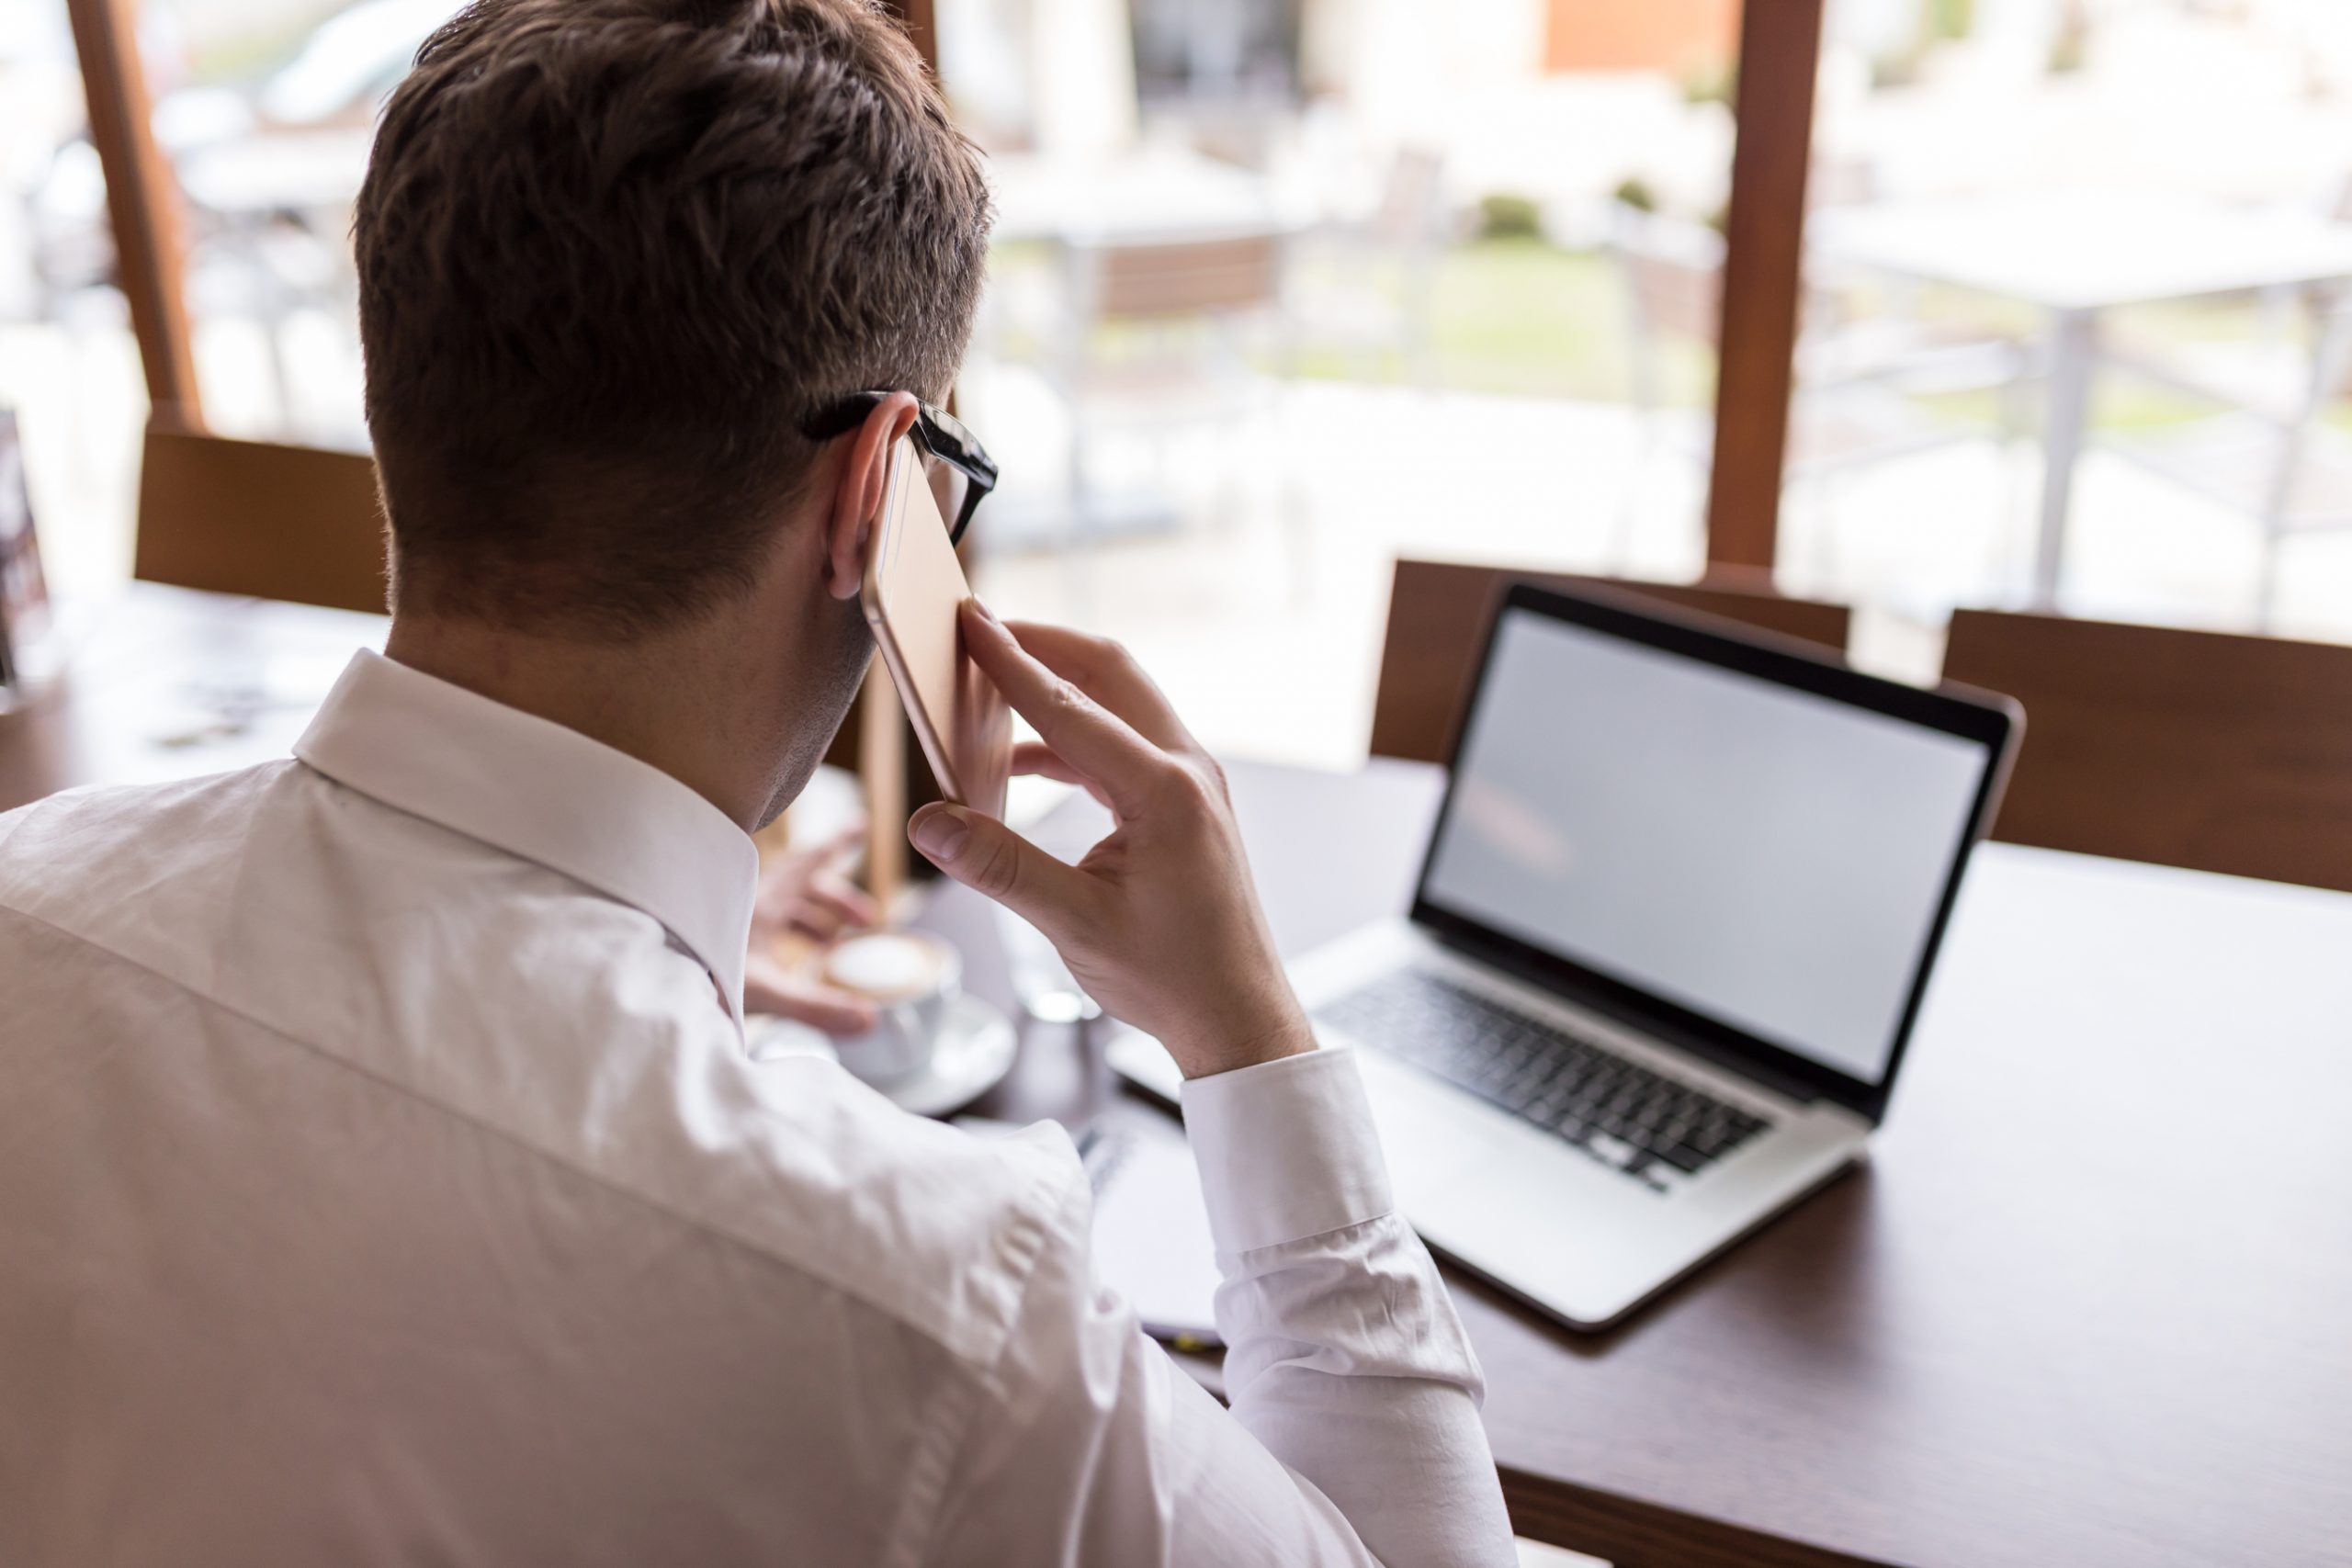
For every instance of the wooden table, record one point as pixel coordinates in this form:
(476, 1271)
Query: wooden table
(2087, 1306)
(167, 683)
(2073, 256)
(2091, 1302)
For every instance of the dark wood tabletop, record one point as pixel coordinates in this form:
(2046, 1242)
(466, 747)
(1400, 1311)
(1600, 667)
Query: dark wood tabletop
(2090, 1303)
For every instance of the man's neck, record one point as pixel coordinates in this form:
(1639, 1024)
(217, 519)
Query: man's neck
(674, 701)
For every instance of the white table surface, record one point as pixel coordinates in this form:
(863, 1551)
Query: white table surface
(2074, 254)
(1152, 194)
(2074, 250)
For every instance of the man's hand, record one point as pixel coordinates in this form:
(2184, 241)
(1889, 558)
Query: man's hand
(805, 891)
(1159, 922)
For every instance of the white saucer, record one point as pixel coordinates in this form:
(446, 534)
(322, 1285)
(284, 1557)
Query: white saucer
(975, 1050)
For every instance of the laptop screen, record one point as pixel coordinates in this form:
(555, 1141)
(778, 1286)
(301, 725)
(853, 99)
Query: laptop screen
(1764, 856)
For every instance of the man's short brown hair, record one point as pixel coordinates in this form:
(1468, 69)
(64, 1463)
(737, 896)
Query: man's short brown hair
(612, 255)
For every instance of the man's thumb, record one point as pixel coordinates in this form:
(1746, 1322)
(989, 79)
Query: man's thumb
(990, 858)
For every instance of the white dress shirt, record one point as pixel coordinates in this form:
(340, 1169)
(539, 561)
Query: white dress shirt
(382, 1179)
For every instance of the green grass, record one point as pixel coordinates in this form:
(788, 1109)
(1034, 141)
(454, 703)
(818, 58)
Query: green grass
(1523, 316)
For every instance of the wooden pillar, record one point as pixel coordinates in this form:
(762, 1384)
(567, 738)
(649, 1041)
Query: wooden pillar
(1779, 53)
(921, 28)
(142, 203)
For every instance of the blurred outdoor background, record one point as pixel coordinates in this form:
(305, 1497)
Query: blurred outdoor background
(1284, 288)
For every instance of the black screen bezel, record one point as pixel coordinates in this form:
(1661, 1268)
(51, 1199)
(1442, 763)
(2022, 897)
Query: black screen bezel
(1993, 722)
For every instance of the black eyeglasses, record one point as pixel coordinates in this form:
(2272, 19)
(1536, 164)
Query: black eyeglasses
(960, 470)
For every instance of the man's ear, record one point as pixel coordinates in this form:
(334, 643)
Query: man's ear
(857, 493)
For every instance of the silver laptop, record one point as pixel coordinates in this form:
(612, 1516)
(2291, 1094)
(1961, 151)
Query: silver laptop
(1672, 930)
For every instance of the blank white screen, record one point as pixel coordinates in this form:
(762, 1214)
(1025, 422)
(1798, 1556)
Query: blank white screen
(1762, 856)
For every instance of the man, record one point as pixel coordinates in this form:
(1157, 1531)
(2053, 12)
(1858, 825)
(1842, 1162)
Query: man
(381, 1175)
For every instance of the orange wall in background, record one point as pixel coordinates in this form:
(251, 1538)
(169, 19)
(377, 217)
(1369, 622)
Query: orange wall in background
(1673, 35)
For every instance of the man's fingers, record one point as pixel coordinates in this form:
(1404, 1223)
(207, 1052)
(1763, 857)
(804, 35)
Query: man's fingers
(1037, 757)
(849, 904)
(1083, 732)
(844, 843)
(836, 1012)
(1102, 669)
(825, 911)
(990, 858)
(822, 925)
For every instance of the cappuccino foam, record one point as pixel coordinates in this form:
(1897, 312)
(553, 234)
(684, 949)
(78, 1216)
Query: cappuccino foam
(886, 966)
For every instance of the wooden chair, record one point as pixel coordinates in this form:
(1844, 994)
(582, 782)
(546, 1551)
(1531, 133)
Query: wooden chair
(2267, 449)
(2184, 747)
(1181, 280)
(262, 520)
(1438, 613)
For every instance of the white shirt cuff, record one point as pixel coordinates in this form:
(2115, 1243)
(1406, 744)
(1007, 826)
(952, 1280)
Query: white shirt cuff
(1287, 1150)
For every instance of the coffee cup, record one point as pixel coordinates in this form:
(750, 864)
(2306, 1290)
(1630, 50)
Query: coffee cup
(910, 978)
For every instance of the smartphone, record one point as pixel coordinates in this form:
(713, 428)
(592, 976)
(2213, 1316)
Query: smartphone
(913, 588)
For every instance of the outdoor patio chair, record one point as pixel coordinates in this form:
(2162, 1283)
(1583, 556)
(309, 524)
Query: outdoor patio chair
(2269, 451)
(1157, 339)
(1366, 288)
(1857, 376)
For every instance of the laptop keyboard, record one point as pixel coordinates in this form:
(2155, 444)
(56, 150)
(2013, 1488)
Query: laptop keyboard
(1633, 1120)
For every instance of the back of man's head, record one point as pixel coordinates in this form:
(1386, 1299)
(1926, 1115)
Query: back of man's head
(613, 255)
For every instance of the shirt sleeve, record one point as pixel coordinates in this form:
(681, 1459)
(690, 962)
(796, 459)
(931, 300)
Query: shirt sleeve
(1353, 1435)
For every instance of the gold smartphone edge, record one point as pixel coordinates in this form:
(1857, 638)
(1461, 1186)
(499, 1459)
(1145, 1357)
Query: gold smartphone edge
(869, 598)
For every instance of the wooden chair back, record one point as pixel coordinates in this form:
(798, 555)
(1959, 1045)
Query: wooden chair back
(2184, 747)
(1193, 277)
(1412, 199)
(1438, 613)
(1673, 274)
(259, 519)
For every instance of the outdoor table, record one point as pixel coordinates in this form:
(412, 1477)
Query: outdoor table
(2073, 256)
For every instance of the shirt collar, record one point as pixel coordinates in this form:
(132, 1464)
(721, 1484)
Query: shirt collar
(548, 793)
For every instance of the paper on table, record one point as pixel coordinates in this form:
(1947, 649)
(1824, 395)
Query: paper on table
(1151, 1228)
